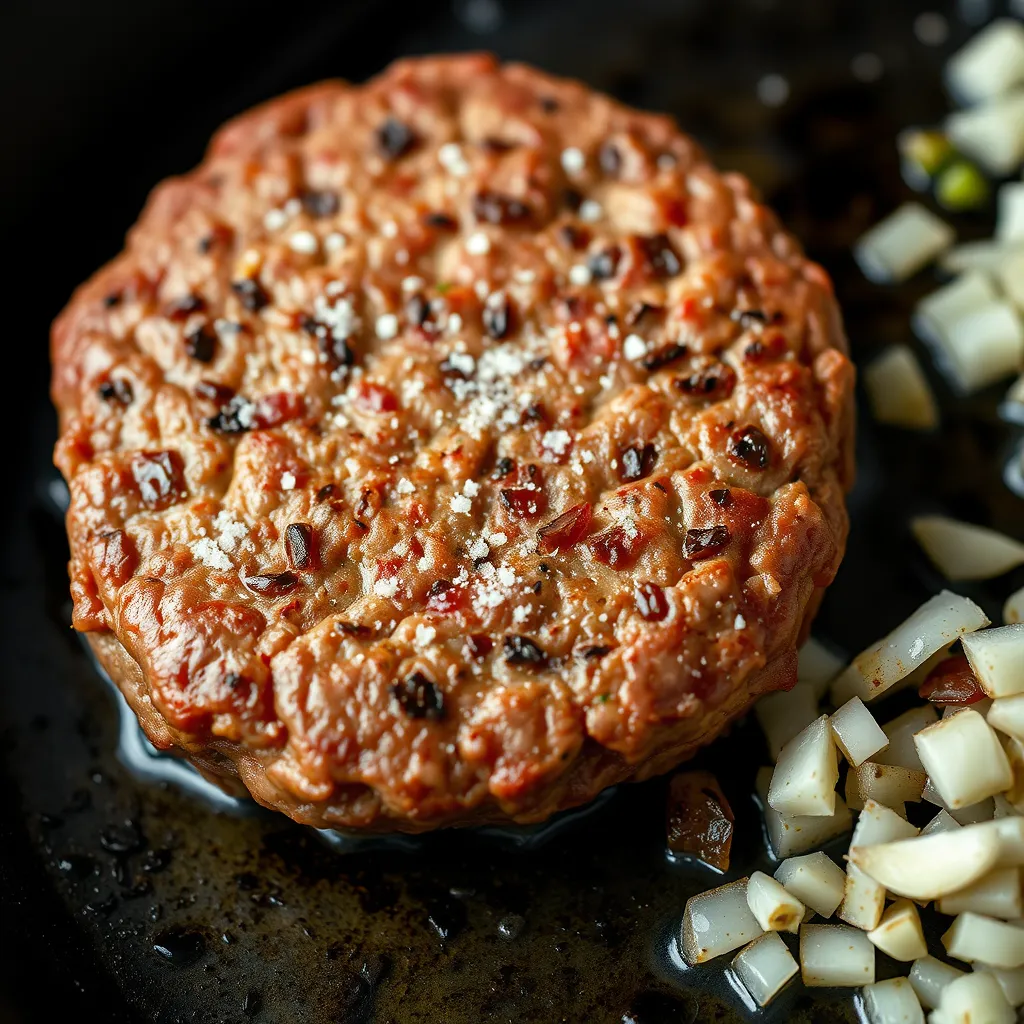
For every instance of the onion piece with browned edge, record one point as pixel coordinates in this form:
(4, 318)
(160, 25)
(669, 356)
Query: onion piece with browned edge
(717, 922)
(856, 732)
(940, 621)
(899, 934)
(891, 1002)
(998, 894)
(1013, 610)
(973, 999)
(889, 784)
(776, 909)
(835, 955)
(997, 657)
(805, 777)
(974, 937)
(963, 551)
(814, 879)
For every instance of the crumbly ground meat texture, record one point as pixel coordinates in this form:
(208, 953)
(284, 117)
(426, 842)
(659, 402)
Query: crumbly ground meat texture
(448, 448)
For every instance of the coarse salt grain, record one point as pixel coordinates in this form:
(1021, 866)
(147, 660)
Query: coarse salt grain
(387, 326)
(293, 207)
(462, 504)
(479, 548)
(386, 588)
(274, 220)
(404, 486)
(424, 635)
(556, 441)
(573, 160)
(478, 244)
(634, 347)
(506, 576)
(580, 274)
(452, 159)
(287, 481)
(471, 488)
(335, 242)
(304, 242)
(389, 229)
(740, 623)
(591, 210)
(210, 554)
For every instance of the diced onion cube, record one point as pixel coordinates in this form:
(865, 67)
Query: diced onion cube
(1010, 224)
(892, 1002)
(1010, 834)
(900, 732)
(1007, 715)
(1013, 610)
(782, 715)
(932, 866)
(717, 922)
(928, 977)
(776, 909)
(792, 834)
(982, 347)
(833, 954)
(935, 312)
(1011, 280)
(856, 732)
(942, 822)
(1010, 981)
(903, 243)
(987, 257)
(764, 967)
(899, 392)
(880, 824)
(997, 657)
(818, 666)
(989, 64)
(814, 879)
(899, 933)
(974, 999)
(887, 784)
(992, 133)
(804, 780)
(975, 937)
(963, 551)
(963, 759)
(938, 622)
(998, 894)
(863, 900)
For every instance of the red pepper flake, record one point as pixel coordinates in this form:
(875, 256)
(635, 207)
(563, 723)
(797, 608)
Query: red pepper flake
(699, 820)
(395, 138)
(618, 547)
(276, 408)
(298, 540)
(664, 356)
(495, 208)
(272, 584)
(705, 542)
(651, 602)
(711, 380)
(201, 343)
(566, 530)
(521, 650)
(952, 682)
(418, 697)
(524, 501)
(659, 258)
(722, 497)
(750, 447)
(479, 645)
(375, 397)
(213, 392)
(251, 294)
(160, 478)
(637, 461)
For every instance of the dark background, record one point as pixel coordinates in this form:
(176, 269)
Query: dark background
(101, 100)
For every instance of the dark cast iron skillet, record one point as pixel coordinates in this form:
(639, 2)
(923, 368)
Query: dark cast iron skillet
(128, 897)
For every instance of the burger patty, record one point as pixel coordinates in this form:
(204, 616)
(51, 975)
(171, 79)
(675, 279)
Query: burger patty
(448, 448)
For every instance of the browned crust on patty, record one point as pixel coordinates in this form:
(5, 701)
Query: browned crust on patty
(448, 448)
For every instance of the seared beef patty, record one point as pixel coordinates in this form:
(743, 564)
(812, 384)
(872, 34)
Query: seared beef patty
(448, 448)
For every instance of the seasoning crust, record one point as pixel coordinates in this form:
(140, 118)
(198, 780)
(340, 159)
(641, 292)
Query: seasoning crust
(448, 448)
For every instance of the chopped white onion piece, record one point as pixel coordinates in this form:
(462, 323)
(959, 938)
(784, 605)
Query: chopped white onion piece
(833, 954)
(1014, 750)
(942, 822)
(1010, 981)
(782, 715)
(1010, 223)
(814, 879)
(997, 657)
(941, 620)
(1010, 833)
(998, 894)
(856, 732)
(974, 999)
(804, 780)
(963, 759)
(1013, 610)
(929, 867)
(928, 977)
(892, 1002)
(982, 347)
(1002, 808)
(936, 312)
(1011, 280)
(963, 551)
(717, 922)
(975, 937)
(817, 665)
(992, 133)
(987, 257)
(899, 246)
(879, 824)
(899, 933)
(776, 909)
(888, 784)
(899, 392)
(793, 834)
(989, 64)
(1007, 715)
(764, 967)
(863, 900)
(983, 810)
(900, 732)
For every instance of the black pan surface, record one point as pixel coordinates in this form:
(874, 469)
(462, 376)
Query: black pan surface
(126, 895)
